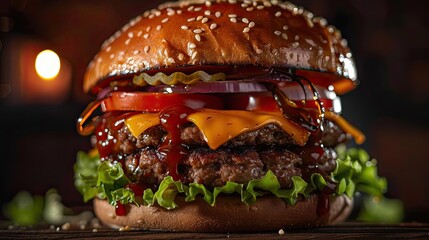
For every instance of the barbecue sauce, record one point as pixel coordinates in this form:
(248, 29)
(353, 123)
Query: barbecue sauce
(120, 209)
(171, 151)
(106, 133)
(313, 152)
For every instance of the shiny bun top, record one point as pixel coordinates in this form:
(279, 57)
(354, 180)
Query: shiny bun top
(223, 32)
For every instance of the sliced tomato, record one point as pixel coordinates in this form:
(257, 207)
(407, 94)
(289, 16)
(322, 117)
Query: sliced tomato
(266, 102)
(252, 102)
(155, 102)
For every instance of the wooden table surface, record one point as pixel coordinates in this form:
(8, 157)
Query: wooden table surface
(342, 231)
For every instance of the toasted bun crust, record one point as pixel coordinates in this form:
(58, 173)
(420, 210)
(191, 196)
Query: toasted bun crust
(228, 215)
(219, 32)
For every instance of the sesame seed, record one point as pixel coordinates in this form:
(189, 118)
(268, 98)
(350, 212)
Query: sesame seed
(191, 19)
(164, 20)
(278, 33)
(207, 13)
(208, 3)
(180, 56)
(218, 14)
(310, 23)
(192, 46)
(158, 27)
(251, 24)
(125, 228)
(127, 41)
(246, 29)
(258, 51)
(157, 13)
(194, 55)
(323, 22)
(130, 34)
(249, 9)
(255, 3)
(148, 29)
(198, 30)
(198, 37)
(139, 34)
(296, 37)
(308, 14)
(146, 49)
(197, 9)
(184, 27)
(199, 18)
(232, 15)
(146, 35)
(112, 56)
(295, 44)
(234, 20)
(171, 13)
(108, 49)
(331, 29)
(281, 232)
(248, 1)
(278, 14)
(260, 7)
(136, 52)
(244, 5)
(190, 8)
(284, 36)
(267, 4)
(170, 60)
(285, 27)
(232, 1)
(151, 16)
(213, 26)
(245, 20)
(179, 11)
(295, 11)
(205, 20)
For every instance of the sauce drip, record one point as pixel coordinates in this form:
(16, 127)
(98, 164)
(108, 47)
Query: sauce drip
(312, 154)
(120, 209)
(106, 132)
(171, 151)
(136, 188)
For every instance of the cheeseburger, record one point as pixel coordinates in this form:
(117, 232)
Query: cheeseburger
(222, 116)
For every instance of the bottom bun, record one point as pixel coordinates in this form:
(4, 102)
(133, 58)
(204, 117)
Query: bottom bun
(229, 214)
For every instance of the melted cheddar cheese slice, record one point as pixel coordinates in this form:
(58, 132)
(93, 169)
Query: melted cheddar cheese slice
(358, 136)
(219, 126)
(139, 123)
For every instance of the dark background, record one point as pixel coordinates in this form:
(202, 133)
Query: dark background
(38, 140)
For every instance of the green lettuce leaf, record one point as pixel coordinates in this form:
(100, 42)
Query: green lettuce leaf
(94, 178)
(24, 209)
(355, 171)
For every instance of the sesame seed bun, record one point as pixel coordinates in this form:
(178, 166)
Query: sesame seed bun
(229, 215)
(197, 33)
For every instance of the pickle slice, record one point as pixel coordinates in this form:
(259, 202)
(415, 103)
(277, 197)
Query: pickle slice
(144, 79)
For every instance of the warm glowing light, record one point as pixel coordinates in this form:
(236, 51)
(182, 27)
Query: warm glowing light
(47, 64)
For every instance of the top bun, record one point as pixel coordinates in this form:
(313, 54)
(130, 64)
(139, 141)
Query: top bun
(223, 32)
